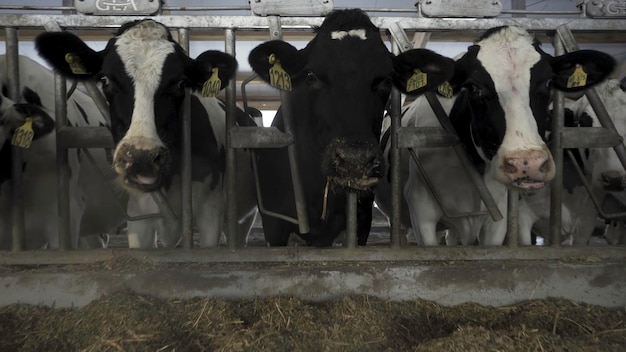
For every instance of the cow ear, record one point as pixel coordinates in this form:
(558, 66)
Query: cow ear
(419, 70)
(264, 57)
(205, 64)
(68, 54)
(581, 69)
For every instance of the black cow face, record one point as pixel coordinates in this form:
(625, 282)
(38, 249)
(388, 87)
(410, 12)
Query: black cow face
(339, 86)
(504, 84)
(144, 74)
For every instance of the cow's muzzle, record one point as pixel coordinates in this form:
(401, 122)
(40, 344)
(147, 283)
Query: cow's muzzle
(142, 169)
(528, 170)
(353, 163)
(613, 180)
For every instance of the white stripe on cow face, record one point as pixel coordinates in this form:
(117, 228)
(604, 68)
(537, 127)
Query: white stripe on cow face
(339, 35)
(143, 50)
(509, 62)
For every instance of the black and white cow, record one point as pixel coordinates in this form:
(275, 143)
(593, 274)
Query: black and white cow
(502, 88)
(603, 169)
(40, 170)
(144, 74)
(340, 83)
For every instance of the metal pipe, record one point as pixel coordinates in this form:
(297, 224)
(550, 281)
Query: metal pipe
(98, 99)
(18, 227)
(351, 220)
(63, 171)
(275, 28)
(556, 191)
(185, 184)
(512, 218)
(394, 167)
(231, 153)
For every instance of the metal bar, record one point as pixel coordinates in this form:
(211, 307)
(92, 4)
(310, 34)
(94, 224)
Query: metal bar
(62, 162)
(18, 227)
(394, 161)
(98, 100)
(85, 137)
(231, 153)
(435, 193)
(275, 27)
(589, 137)
(185, 184)
(351, 220)
(474, 176)
(78, 21)
(420, 137)
(556, 191)
(512, 218)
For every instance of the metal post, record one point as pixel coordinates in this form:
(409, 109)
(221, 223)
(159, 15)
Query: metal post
(351, 223)
(231, 153)
(17, 190)
(556, 192)
(63, 172)
(394, 156)
(512, 221)
(185, 184)
(298, 191)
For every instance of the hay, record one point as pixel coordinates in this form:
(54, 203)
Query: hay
(129, 322)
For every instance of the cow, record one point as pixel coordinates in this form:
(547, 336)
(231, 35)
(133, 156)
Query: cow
(499, 108)
(602, 167)
(40, 171)
(144, 74)
(338, 87)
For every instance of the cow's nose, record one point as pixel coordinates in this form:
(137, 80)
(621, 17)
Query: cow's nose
(613, 180)
(528, 169)
(141, 168)
(353, 162)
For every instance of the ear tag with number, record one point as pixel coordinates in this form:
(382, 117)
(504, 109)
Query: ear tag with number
(418, 80)
(279, 78)
(212, 86)
(23, 135)
(446, 90)
(578, 78)
(76, 65)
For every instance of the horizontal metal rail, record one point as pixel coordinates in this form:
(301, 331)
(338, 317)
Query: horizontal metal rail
(22, 21)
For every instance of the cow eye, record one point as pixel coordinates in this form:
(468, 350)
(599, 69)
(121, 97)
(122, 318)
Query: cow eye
(105, 81)
(475, 91)
(311, 78)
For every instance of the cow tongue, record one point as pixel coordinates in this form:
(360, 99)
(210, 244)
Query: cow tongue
(144, 180)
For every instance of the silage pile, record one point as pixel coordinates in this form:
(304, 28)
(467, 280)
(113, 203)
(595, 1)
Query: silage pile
(131, 322)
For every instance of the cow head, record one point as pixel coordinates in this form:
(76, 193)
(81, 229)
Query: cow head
(144, 74)
(504, 83)
(339, 85)
(30, 114)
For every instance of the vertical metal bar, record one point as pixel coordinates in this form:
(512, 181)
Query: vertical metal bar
(351, 223)
(231, 153)
(63, 172)
(17, 190)
(185, 184)
(298, 191)
(556, 192)
(512, 221)
(394, 156)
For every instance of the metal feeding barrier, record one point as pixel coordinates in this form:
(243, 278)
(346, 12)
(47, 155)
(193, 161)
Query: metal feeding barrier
(253, 137)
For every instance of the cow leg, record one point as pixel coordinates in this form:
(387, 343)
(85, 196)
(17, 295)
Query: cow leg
(141, 233)
(423, 210)
(364, 218)
(492, 232)
(209, 211)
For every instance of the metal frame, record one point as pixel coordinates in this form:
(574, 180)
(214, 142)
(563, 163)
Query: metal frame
(231, 24)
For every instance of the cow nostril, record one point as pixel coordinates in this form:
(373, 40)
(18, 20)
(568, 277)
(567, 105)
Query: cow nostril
(509, 166)
(545, 167)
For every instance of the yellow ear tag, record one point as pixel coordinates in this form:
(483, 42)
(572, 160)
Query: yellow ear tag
(23, 135)
(417, 81)
(578, 78)
(279, 78)
(446, 90)
(76, 65)
(212, 86)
